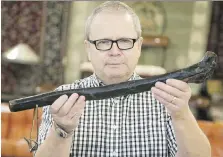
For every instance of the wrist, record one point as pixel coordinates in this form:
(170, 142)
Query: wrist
(182, 116)
(61, 132)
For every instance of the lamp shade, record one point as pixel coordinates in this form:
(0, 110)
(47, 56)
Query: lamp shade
(21, 53)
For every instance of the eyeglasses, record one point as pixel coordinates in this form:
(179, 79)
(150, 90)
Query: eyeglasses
(106, 44)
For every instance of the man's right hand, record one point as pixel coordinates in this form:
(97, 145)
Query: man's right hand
(67, 112)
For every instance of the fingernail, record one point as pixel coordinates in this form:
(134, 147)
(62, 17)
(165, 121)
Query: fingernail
(82, 97)
(157, 83)
(65, 95)
(168, 80)
(75, 94)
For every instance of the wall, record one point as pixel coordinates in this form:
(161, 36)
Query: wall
(185, 48)
(40, 25)
(187, 29)
(75, 53)
(187, 25)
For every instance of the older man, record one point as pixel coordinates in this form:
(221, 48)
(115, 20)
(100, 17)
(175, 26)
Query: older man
(157, 123)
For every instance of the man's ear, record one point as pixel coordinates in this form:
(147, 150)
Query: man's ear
(140, 44)
(87, 48)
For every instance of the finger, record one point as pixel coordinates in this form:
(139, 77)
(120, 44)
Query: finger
(167, 97)
(183, 86)
(168, 105)
(54, 108)
(162, 94)
(77, 108)
(68, 105)
(169, 89)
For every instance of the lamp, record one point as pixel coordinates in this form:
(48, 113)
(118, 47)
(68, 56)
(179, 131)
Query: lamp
(21, 53)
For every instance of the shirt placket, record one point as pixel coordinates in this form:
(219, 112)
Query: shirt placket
(114, 126)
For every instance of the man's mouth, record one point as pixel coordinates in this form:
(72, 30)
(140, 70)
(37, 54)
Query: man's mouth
(114, 64)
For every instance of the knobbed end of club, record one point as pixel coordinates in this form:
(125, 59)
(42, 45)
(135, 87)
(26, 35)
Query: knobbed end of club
(12, 104)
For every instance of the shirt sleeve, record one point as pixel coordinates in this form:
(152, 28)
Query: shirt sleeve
(171, 140)
(47, 120)
(45, 125)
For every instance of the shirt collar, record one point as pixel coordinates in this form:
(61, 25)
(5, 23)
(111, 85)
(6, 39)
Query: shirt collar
(98, 82)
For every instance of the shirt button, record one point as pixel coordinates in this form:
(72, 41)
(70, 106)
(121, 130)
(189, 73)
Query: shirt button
(114, 127)
(116, 100)
(115, 153)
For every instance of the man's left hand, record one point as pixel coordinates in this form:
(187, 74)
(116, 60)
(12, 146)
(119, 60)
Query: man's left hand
(175, 95)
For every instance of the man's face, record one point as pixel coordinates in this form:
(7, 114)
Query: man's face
(113, 63)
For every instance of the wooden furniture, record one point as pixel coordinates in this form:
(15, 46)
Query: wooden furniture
(155, 41)
(16, 126)
(214, 132)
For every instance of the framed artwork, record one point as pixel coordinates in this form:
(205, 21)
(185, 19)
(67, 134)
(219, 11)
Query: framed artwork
(42, 26)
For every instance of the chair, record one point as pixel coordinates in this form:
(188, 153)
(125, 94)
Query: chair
(16, 126)
(214, 132)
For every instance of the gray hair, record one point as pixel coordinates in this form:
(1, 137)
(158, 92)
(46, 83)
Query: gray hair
(114, 6)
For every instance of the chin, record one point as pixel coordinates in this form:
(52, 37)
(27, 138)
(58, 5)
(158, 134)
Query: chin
(116, 73)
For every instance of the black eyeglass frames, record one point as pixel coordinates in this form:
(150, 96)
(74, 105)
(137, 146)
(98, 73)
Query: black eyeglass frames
(106, 44)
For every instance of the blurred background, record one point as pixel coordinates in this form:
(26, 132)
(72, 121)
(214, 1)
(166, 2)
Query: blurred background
(42, 47)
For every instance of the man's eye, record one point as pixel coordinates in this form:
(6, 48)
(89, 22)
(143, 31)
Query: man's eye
(125, 40)
(104, 42)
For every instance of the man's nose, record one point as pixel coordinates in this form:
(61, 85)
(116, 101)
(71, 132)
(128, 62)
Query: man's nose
(115, 50)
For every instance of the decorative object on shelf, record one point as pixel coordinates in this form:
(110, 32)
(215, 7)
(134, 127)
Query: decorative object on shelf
(21, 53)
(21, 24)
(21, 57)
(152, 17)
(24, 62)
(155, 41)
